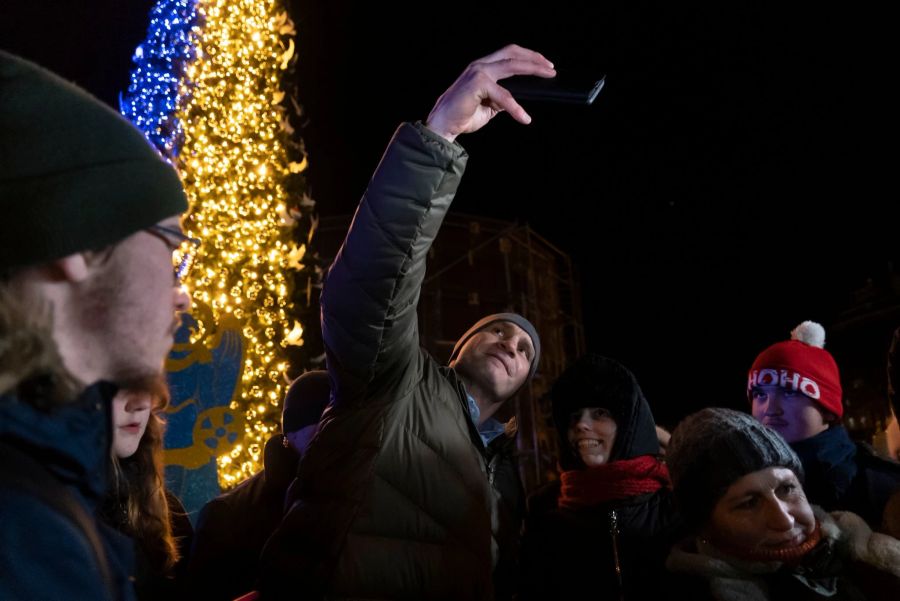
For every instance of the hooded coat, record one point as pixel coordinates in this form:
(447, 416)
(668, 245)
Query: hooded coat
(617, 548)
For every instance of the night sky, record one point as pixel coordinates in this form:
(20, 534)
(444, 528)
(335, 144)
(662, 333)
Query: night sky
(735, 177)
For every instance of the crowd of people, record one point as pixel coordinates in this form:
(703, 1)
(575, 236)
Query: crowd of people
(393, 478)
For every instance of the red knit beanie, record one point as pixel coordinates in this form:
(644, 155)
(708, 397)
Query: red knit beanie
(803, 364)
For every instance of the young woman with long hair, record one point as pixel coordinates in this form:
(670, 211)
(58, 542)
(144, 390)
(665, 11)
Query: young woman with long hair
(138, 503)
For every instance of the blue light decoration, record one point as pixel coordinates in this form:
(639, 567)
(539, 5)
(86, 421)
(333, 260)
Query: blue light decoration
(226, 371)
(160, 59)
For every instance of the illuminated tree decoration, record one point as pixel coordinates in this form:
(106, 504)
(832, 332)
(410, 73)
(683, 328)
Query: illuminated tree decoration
(246, 193)
(152, 96)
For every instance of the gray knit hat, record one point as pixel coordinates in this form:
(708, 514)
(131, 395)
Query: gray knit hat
(74, 174)
(512, 318)
(713, 448)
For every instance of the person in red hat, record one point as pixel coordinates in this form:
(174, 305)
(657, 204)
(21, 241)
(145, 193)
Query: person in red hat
(794, 387)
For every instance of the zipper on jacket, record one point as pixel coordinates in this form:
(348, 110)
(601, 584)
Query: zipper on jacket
(492, 469)
(614, 535)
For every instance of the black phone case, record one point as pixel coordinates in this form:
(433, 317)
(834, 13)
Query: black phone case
(550, 90)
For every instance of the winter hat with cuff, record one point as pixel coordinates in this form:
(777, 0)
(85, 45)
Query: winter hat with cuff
(801, 364)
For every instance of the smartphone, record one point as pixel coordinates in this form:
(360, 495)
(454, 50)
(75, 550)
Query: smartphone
(539, 89)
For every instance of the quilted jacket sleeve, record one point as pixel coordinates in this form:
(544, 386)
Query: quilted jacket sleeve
(370, 294)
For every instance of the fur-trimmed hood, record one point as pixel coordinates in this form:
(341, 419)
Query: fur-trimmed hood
(739, 580)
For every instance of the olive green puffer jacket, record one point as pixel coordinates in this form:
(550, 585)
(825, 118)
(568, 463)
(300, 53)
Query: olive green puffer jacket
(393, 498)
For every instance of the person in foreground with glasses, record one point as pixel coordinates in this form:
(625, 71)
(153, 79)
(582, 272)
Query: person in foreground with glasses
(77, 324)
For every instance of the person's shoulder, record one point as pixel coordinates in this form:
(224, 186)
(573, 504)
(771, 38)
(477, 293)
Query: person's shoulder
(216, 512)
(43, 552)
(661, 501)
(868, 458)
(34, 516)
(860, 542)
(881, 476)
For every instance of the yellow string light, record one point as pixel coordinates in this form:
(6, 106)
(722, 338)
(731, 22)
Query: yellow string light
(235, 161)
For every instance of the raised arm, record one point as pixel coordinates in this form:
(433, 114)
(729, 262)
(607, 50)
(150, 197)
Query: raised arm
(370, 294)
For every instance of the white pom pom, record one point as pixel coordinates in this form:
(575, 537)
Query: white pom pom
(811, 333)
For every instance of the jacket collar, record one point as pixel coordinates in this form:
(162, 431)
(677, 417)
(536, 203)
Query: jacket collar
(71, 440)
(828, 459)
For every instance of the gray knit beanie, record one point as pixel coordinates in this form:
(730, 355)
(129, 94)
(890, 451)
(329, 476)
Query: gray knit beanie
(74, 174)
(713, 448)
(515, 318)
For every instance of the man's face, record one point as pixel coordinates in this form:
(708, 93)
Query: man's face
(497, 359)
(130, 303)
(789, 412)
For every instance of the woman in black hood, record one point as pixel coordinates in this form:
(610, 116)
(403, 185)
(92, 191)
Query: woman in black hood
(605, 527)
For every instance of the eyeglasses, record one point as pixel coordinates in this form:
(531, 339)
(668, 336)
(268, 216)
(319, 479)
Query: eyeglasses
(184, 248)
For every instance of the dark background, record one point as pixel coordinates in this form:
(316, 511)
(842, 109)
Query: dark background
(736, 176)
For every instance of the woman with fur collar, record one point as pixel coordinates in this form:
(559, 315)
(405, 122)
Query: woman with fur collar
(756, 537)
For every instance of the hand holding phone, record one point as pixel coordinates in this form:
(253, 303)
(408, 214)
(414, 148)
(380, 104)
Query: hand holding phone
(541, 89)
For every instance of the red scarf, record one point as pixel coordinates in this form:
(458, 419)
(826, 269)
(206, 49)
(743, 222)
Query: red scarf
(612, 481)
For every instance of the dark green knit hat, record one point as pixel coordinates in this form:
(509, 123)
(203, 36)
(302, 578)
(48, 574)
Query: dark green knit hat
(74, 174)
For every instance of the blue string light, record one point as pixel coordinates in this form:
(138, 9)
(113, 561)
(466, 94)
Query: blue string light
(160, 59)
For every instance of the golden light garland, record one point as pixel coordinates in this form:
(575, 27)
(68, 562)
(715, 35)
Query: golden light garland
(235, 161)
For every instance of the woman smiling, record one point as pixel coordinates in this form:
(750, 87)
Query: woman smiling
(756, 537)
(602, 530)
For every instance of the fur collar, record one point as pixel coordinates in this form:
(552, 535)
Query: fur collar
(737, 580)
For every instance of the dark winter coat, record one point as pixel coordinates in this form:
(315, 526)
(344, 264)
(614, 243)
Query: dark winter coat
(43, 555)
(233, 528)
(501, 455)
(614, 550)
(394, 498)
(847, 476)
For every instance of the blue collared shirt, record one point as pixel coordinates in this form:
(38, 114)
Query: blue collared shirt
(490, 429)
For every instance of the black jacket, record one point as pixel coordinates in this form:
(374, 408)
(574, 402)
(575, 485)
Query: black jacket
(574, 554)
(847, 476)
(233, 528)
(503, 473)
(571, 554)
